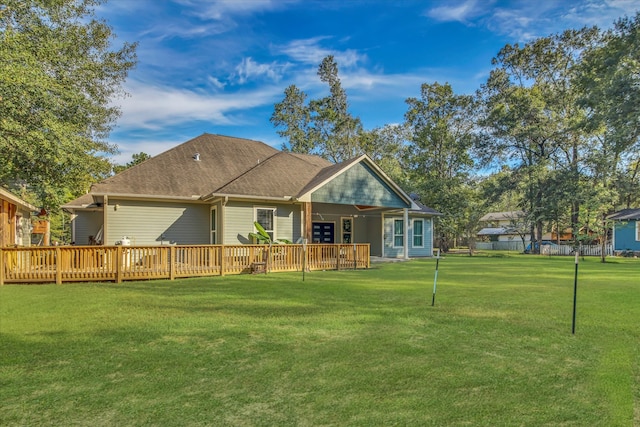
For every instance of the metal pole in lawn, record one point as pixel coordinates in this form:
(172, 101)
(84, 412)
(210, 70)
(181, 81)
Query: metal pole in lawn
(435, 279)
(575, 293)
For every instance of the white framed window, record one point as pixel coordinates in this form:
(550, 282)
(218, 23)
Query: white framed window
(214, 226)
(398, 233)
(638, 230)
(266, 217)
(347, 230)
(418, 233)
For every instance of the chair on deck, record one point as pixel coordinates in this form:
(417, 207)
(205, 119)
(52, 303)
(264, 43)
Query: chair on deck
(261, 266)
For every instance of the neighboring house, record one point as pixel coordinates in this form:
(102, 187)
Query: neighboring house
(15, 220)
(211, 189)
(502, 226)
(626, 230)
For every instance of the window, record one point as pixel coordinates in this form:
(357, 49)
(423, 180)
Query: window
(347, 230)
(638, 230)
(398, 233)
(266, 218)
(418, 233)
(214, 226)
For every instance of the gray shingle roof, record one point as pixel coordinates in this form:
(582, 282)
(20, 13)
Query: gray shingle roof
(175, 173)
(213, 165)
(625, 215)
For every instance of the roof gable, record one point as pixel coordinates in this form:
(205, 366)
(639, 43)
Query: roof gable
(357, 183)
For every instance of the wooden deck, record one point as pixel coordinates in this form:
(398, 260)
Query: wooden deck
(61, 264)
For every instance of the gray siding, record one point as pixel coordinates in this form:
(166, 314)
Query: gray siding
(144, 223)
(239, 218)
(398, 252)
(366, 224)
(86, 224)
(359, 185)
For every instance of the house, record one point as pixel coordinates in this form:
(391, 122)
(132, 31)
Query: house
(211, 190)
(15, 220)
(503, 226)
(626, 230)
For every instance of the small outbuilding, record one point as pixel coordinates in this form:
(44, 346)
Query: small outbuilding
(626, 230)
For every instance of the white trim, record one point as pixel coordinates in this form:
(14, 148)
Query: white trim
(431, 233)
(407, 231)
(274, 211)
(637, 230)
(413, 235)
(213, 233)
(394, 235)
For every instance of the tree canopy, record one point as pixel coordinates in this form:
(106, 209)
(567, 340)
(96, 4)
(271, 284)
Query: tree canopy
(553, 133)
(59, 73)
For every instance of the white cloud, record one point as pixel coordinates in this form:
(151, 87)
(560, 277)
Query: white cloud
(462, 12)
(216, 82)
(154, 107)
(222, 9)
(309, 51)
(248, 69)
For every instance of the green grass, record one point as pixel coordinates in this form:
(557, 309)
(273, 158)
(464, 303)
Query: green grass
(342, 348)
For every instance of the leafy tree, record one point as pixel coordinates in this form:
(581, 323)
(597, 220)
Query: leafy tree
(135, 160)
(324, 126)
(534, 119)
(293, 116)
(437, 156)
(58, 76)
(609, 78)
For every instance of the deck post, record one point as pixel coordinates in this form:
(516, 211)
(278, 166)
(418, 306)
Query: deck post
(1, 267)
(222, 260)
(172, 263)
(119, 264)
(58, 267)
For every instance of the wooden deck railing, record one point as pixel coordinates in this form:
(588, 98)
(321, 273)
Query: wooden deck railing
(117, 263)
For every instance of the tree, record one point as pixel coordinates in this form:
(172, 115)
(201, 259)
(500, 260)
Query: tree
(437, 157)
(533, 118)
(609, 78)
(293, 116)
(324, 126)
(136, 159)
(58, 76)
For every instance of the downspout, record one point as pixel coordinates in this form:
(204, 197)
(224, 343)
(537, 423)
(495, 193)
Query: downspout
(406, 233)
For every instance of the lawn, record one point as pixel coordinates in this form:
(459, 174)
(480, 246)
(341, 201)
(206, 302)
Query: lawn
(357, 348)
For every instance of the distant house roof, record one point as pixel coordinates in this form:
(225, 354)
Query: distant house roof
(495, 231)
(626, 214)
(502, 216)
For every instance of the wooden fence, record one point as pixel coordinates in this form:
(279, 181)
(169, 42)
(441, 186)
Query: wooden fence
(117, 263)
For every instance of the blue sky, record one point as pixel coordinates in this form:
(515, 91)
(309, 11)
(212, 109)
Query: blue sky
(220, 66)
